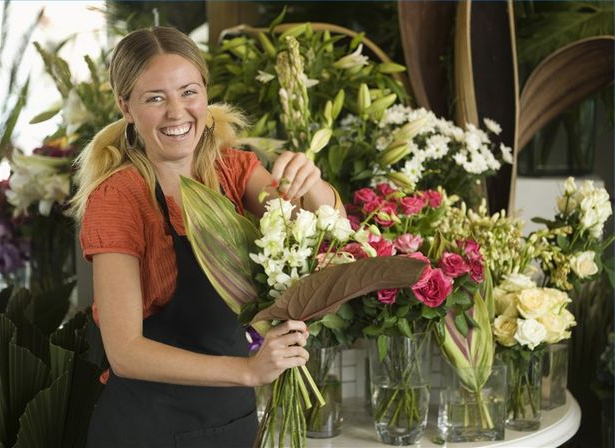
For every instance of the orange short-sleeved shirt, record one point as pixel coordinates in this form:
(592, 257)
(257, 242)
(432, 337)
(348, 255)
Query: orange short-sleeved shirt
(121, 218)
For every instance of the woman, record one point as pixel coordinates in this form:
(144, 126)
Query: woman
(179, 374)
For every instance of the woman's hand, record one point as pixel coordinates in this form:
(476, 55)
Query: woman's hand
(295, 173)
(282, 349)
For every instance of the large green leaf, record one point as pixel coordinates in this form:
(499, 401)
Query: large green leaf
(325, 291)
(42, 423)
(221, 240)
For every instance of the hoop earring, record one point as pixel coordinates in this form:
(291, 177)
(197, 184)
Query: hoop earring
(130, 134)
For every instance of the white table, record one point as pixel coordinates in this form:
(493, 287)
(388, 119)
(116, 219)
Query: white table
(558, 425)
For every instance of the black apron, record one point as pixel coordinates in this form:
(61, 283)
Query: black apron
(135, 413)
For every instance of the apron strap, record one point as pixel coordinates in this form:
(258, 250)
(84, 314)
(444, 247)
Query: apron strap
(165, 208)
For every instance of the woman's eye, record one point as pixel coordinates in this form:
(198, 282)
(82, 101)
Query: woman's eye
(154, 99)
(190, 92)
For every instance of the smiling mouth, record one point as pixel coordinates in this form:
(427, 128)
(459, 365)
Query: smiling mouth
(177, 131)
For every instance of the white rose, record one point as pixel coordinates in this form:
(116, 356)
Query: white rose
(326, 216)
(583, 264)
(517, 282)
(556, 299)
(342, 231)
(304, 225)
(570, 186)
(566, 204)
(569, 318)
(530, 333)
(504, 330)
(285, 208)
(532, 303)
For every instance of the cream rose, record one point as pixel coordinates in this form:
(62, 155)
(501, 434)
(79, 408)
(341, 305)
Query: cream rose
(517, 282)
(530, 333)
(556, 299)
(532, 303)
(556, 327)
(504, 329)
(583, 264)
(505, 302)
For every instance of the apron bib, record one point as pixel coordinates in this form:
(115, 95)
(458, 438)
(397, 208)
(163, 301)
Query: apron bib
(135, 413)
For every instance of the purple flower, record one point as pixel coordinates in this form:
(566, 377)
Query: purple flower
(255, 340)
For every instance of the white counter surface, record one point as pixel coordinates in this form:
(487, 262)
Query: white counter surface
(558, 425)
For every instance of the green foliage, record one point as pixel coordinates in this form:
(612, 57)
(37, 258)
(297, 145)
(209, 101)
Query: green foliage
(48, 383)
(15, 90)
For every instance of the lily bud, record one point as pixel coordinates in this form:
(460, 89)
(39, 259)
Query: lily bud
(391, 67)
(363, 100)
(409, 130)
(338, 103)
(320, 139)
(393, 155)
(400, 179)
(266, 44)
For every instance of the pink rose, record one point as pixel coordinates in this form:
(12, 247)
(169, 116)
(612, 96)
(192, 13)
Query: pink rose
(469, 246)
(355, 250)
(419, 256)
(412, 205)
(383, 247)
(433, 287)
(370, 206)
(477, 267)
(433, 198)
(390, 208)
(364, 195)
(354, 222)
(387, 296)
(407, 243)
(385, 189)
(453, 264)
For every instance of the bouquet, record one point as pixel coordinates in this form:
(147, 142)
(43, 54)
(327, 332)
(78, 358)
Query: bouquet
(446, 297)
(413, 149)
(302, 272)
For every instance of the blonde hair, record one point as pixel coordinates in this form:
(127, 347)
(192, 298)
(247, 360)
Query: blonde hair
(109, 152)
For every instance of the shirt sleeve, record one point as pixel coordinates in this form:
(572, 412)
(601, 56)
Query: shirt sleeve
(234, 172)
(112, 224)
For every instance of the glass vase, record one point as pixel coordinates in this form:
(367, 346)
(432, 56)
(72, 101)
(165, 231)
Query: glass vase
(554, 376)
(524, 397)
(326, 369)
(399, 377)
(471, 413)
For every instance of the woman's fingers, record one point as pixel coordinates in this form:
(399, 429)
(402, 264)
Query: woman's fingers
(296, 174)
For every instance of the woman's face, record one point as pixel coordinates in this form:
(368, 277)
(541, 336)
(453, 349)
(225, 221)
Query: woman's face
(168, 106)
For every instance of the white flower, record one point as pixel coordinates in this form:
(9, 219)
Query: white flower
(285, 208)
(352, 60)
(307, 82)
(530, 333)
(506, 153)
(504, 330)
(516, 282)
(505, 302)
(326, 217)
(304, 225)
(492, 125)
(264, 77)
(437, 146)
(532, 303)
(569, 186)
(566, 204)
(342, 231)
(583, 264)
(74, 112)
(556, 327)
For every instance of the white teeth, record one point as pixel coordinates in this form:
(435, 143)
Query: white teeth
(178, 130)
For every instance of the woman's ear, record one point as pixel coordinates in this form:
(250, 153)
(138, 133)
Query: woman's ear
(125, 110)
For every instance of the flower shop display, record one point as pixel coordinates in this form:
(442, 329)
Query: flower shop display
(294, 267)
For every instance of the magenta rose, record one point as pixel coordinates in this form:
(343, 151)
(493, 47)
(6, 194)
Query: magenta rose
(407, 243)
(385, 189)
(469, 247)
(371, 206)
(387, 296)
(411, 205)
(355, 250)
(477, 266)
(453, 264)
(433, 198)
(364, 195)
(355, 222)
(383, 247)
(433, 287)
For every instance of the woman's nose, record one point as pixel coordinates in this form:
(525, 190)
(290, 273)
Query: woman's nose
(174, 109)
